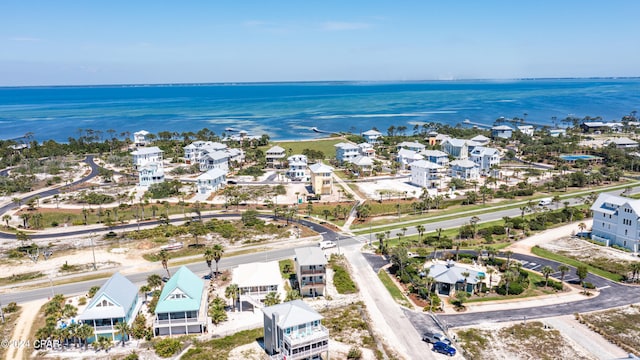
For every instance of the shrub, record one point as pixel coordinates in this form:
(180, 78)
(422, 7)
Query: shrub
(515, 288)
(132, 356)
(82, 300)
(589, 285)
(557, 285)
(11, 307)
(167, 347)
(92, 291)
(354, 353)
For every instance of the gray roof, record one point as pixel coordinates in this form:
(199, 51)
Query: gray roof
(292, 313)
(409, 154)
(371, 132)
(344, 145)
(451, 274)
(456, 142)
(623, 141)
(275, 150)
(463, 163)
(482, 151)
(411, 144)
(320, 168)
(117, 290)
(424, 164)
(502, 128)
(311, 255)
(216, 155)
(212, 174)
(435, 153)
(480, 138)
(147, 150)
(609, 204)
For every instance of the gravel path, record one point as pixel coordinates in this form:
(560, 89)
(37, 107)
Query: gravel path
(22, 330)
(592, 342)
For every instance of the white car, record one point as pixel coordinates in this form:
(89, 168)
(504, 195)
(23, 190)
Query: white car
(327, 244)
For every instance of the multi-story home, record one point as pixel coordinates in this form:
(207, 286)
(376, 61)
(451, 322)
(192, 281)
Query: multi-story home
(215, 159)
(297, 167)
(406, 157)
(557, 132)
(275, 156)
(140, 138)
(526, 129)
(414, 146)
(502, 131)
(464, 169)
(194, 151)
(311, 270)
(182, 306)
(235, 155)
(256, 280)
(116, 301)
(293, 331)
(481, 140)
(485, 158)
(363, 163)
(367, 150)
(436, 156)
(427, 174)
(458, 148)
(436, 139)
(147, 155)
(615, 221)
(345, 152)
(321, 179)
(372, 136)
(212, 180)
(151, 173)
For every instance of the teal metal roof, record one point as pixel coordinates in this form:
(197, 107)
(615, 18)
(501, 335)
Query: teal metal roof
(185, 282)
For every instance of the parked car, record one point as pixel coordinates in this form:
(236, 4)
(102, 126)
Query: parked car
(432, 337)
(327, 244)
(443, 348)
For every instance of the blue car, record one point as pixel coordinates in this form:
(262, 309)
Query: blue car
(443, 348)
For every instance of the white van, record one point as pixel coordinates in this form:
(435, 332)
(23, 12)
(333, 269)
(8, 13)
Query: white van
(545, 202)
(327, 244)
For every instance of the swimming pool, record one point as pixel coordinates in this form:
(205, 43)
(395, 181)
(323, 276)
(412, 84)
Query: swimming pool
(574, 157)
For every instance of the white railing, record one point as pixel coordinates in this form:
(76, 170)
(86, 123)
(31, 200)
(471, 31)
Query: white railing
(312, 335)
(177, 321)
(104, 328)
(308, 353)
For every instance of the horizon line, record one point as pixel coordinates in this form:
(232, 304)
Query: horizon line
(233, 83)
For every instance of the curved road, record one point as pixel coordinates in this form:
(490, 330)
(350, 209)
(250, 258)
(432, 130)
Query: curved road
(94, 172)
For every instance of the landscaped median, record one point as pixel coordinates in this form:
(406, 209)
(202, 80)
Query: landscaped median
(393, 289)
(543, 253)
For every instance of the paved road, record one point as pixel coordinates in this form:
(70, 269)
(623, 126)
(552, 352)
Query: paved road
(94, 172)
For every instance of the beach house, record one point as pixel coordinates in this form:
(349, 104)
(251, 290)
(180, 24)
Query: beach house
(427, 174)
(297, 167)
(615, 221)
(363, 164)
(372, 136)
(481, 140)
(212, 180)
(346, 152)
(294, 331)
(275, 156)
(436, 156)
(367, 150)
(116, 301)
(321, 179)
(502, 132)
(622, 143)
(311, 270)
(140, 138)
(526, 129)
(458, 148)
(151, 173)
(557, 132)
(182, 306)
(194, 151)
(255, 281)
(465, 169)
(450, 277)
(214, 159)
(486, 158)
(146, 155)
(406, 157)
(436, 139)
(414, 146)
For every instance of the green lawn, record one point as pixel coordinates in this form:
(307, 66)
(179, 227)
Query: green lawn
(395, 292)
(324, 145)
(538, 251)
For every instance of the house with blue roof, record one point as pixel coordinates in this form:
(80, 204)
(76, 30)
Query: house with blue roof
(450, 277)
(116, 301)
(182, 306)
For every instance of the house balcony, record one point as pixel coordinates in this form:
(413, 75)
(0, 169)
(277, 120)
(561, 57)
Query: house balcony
(178, 322)
(313, 272)
(105, 328)
(306, 283)
(311, 335)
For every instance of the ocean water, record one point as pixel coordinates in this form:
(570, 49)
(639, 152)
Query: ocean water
(290, 110)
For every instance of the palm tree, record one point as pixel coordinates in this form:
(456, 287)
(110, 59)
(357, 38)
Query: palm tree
(490, 271)
(546, 271)
(420, 229)
(154, 281)
(582, 226)
(69, 311)
(123, 329)
(144, 289)
(581, 272)
(635, 270)
(563, 271)
(232, 292)
(208, 258)
(272, 298)
(465, 275)
(508, 253)
(509, 277)
(218, 251)
(164, 258)
(474, 222)
(6, 218)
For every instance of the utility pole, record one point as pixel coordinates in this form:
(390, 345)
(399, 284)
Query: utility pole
(93, 250)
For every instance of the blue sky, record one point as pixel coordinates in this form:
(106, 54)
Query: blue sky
(107, 42)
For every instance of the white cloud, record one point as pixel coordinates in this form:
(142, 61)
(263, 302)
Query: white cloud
(344, 26)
